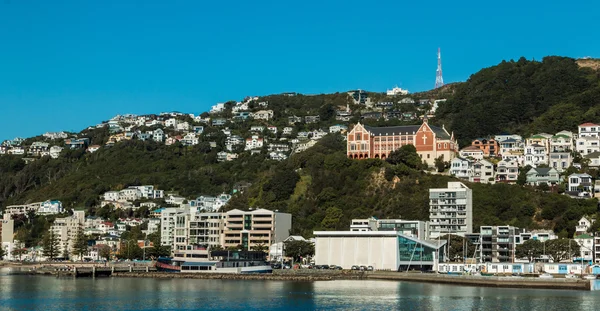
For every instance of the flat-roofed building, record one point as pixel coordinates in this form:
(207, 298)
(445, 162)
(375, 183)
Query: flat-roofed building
(383, 250)
(258, 227)
(450, 210)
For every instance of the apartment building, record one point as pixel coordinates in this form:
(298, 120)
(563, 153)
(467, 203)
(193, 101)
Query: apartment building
(411, 228)
(258, 227)
(498, 243)
(450, 210)
(66, 231)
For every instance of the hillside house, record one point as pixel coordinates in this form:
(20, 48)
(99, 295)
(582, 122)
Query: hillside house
(560, 160)
(543, 175)
(483, 172)
(589, 130)
(158, 135)
(312, 119)
(254, 142)
(461, 168)
(507, 171)
(472, 152)
(294, 119)
(535, 155)
(489, 146)
(263, 115)
(580, 185)
(587, 144)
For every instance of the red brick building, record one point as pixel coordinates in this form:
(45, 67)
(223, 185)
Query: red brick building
(431, 142)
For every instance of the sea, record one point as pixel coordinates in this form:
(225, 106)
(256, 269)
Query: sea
(22, 292)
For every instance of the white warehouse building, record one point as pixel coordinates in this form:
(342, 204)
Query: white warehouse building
(383, 250)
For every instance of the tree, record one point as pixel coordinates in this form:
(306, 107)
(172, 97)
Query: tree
(80, 245)
(406, 155)
(18, 252)
(104, 251)
(562, 249)
(260, 248)
(130, 250)
(333, 215)
(522, 178)
(299, 249)
(440, 165)
(216, 248)
(530, 249)
(543, 187)
(51, 246)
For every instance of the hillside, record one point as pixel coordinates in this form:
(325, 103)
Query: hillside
(320, 186)
(523, 97)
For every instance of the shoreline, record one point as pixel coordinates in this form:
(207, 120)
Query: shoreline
(320, 275)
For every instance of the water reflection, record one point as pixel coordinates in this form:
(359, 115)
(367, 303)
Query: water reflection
(50, 293)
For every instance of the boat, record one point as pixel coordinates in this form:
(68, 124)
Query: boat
(589, 277)
(546, 276)
(166, 264)
(571, 276)
(236, 262)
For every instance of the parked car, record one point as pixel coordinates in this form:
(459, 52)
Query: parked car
(370, 268)
(363, 268)
(332, 267)
(355, 268)
(338, 268)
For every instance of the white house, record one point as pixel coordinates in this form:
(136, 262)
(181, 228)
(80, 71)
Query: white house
(461, 168)
(587, 144)
(583, 225)
(594, 159)
(471, 152)
(561, 142)
(182, 126)
(254, 142)
(111, 195)
(272, 129)
(55, 151)
(589, 130)
(581, 184)
(263, 115)
(586, 248)
(130, 194)
(190, 140)
(158, 135)
(220, 107)
(507, 171)
(288, 130)
(50, 207)
(257, 128)
(172, 122)
(337, 128)
(535, 155)
(560, 160)
(483, 172)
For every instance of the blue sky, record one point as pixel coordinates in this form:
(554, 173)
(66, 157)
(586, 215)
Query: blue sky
(67, 64)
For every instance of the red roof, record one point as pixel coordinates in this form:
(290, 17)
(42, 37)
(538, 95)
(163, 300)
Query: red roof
(588, 124)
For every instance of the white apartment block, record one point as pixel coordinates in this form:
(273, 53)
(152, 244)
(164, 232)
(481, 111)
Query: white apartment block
(66, 231)
(450, 210)
(461, 168)
(50, 207)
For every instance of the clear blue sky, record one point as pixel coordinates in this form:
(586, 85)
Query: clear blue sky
(67, 64)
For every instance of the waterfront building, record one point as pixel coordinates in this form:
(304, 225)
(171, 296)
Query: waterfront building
(586, 248)
(382, 250)
(450, 210)
(498, 243)
(431, 142)
(66, 230)
(257, 227)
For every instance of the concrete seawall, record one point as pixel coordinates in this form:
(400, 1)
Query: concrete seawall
(487, 281)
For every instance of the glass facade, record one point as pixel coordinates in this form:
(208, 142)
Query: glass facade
(411, 250)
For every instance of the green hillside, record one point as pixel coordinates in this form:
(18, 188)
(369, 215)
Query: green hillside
(321, 187)
(523, 97)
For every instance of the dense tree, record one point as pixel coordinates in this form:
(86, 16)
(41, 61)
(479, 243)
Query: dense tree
(299, 249)
(530, 249)
(406, 155)
(51, 245)
(104, 252)
(80, 245)
(260, 248)
(562, 249)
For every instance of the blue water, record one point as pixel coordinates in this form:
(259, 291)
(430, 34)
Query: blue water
(50, 293)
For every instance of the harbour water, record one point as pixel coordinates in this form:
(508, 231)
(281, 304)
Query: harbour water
(20, 292)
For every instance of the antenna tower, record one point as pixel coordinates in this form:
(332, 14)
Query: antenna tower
(439, 81)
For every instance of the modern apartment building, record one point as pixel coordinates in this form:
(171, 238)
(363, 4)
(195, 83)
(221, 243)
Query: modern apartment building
(66, 231)
(450, 210)
(258, 227)
(498, 243)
